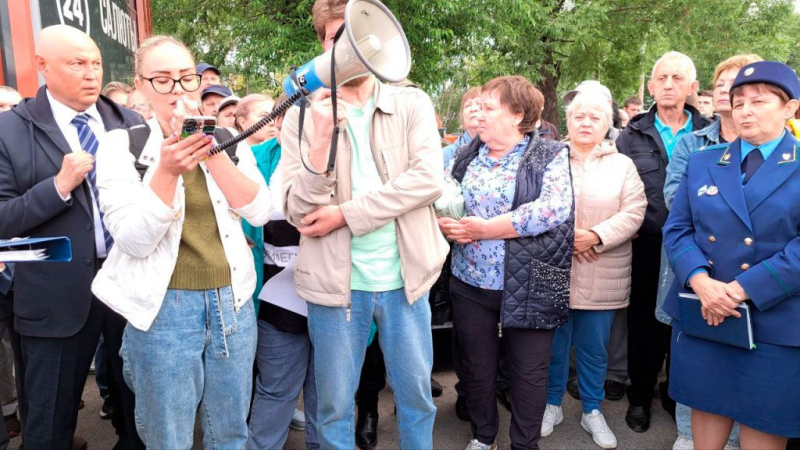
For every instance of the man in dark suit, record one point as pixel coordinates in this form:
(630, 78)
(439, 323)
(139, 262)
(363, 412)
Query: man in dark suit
(47, 148)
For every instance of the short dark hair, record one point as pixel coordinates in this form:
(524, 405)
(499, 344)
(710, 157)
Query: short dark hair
(706, 93)
(325, 11)
(632, 101)
(520, 97)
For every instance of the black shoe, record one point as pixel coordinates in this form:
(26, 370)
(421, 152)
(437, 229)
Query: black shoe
(638, 418)
(436, 388)
(367, 430)
(614, 390)
(462, 412)
(108, 409)
(13, 425)
(572, 389)
(504, 396)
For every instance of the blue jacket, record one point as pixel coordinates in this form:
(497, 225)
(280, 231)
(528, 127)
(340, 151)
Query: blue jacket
(450, 151)
(688, 144)
(697, 140)
(750, 234)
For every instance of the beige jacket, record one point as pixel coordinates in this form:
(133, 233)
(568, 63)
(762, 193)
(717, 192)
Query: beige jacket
(609, 200)
(405, 144)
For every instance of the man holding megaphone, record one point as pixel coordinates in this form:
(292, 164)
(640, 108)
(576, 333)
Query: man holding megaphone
(371, 248)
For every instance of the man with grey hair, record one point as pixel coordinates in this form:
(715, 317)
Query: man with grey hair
(648, 140)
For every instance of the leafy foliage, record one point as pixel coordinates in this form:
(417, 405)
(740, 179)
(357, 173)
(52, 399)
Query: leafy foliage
(461, 43)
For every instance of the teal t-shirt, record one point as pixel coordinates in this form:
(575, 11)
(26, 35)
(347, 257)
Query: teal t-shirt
(375, 255)
(669, 139)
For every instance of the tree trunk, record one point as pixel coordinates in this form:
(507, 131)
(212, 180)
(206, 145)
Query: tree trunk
(550, 72)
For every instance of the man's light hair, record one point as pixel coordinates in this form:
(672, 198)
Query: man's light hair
(676, 56)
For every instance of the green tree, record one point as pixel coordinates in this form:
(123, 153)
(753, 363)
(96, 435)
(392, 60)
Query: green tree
(456, 44)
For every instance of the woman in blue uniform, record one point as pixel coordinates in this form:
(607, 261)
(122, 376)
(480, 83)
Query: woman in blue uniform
(733, 235)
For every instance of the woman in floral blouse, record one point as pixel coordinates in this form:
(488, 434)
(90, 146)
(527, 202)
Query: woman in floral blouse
(489, 170)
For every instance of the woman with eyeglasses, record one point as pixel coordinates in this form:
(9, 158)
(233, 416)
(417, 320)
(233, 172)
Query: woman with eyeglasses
(180, 270)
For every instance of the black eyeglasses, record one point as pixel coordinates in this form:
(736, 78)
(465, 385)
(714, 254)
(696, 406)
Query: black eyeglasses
(165, 85)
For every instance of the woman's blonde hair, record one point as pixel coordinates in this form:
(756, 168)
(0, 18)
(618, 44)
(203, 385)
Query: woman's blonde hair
(151, 43)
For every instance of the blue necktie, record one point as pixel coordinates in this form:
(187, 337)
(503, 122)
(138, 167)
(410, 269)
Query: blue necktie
(751, 163)
(89, 144)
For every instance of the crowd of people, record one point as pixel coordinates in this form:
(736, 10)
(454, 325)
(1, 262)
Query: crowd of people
(220, 286)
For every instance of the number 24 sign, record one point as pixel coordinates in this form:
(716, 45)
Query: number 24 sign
(74, 11)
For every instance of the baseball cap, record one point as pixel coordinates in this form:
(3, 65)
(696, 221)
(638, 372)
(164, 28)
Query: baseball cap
(228, 101)
(202, 67)
(217, 89)
(587, 86)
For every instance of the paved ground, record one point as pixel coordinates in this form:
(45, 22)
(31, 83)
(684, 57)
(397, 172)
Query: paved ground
(449, 432)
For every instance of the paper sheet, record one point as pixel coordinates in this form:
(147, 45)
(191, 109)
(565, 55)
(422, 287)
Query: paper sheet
(280, 291)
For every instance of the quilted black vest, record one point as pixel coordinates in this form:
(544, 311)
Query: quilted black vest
(537, 268)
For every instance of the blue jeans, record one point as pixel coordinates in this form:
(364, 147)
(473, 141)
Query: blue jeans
(404, 334)
(665, 280)
(199, 351)
(589, 332)
(285, 365)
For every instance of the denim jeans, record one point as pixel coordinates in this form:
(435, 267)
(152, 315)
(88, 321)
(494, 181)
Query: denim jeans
(404, 334)
(285, 365)
(198, 352)
(665, 280)
(589, 332)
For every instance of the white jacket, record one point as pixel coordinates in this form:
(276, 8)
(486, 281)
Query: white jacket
(147, 233)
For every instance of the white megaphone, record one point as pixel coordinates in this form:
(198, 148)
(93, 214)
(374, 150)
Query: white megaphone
(373, 42)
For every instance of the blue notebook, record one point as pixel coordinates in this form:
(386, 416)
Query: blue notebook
(737, 332)
(51, 249)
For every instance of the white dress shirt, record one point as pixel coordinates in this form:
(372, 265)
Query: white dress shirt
(63, 115)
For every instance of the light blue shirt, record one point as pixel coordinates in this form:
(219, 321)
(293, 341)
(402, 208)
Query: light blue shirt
(766, 149)
(670, 139)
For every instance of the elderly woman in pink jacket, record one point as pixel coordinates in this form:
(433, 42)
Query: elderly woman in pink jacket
(609, 209)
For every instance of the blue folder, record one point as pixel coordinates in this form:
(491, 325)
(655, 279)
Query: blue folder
(734, 331)
(56, 249)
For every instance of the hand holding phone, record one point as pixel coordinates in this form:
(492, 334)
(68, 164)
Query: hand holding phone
(193, 124)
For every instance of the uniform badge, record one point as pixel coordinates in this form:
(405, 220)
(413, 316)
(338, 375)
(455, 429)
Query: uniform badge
(702, 190)
(712, 190)
(786, 156)
(749, 71)
(726, 157)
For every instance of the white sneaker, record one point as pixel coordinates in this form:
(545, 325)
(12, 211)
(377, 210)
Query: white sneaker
(298, 420)
(478, 445)
(552, 417)
(683, 443)
(596, 425)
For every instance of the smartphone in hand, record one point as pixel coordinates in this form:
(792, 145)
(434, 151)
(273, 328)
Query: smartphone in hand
(191, 124)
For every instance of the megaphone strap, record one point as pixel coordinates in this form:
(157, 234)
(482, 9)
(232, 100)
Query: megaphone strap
(336, 130)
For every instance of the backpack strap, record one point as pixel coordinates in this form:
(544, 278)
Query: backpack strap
(222, 134)
(137, 137)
